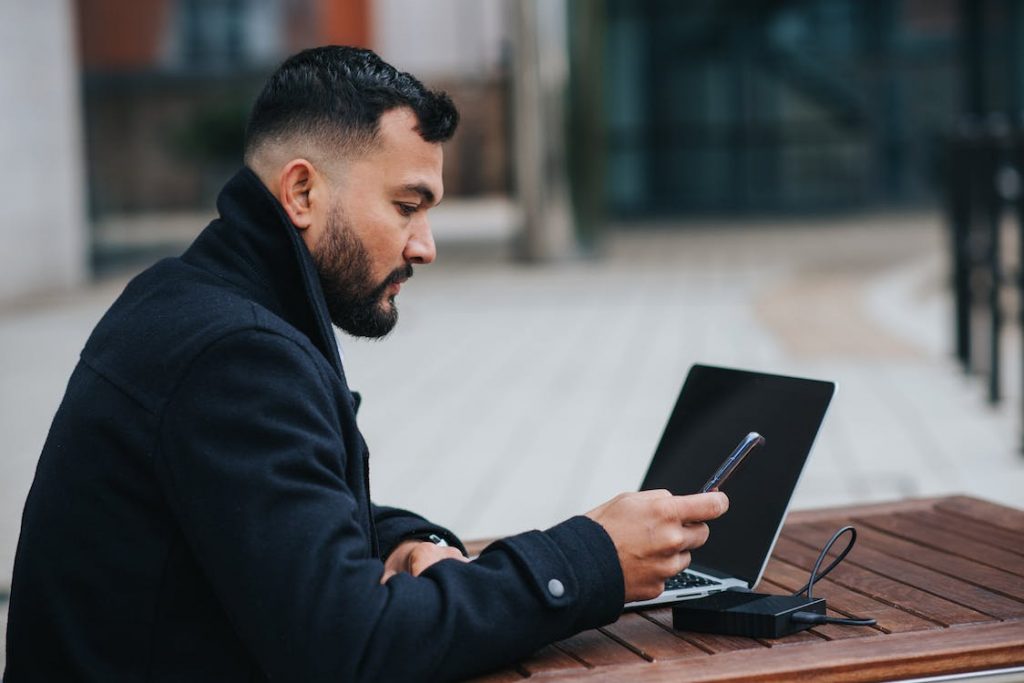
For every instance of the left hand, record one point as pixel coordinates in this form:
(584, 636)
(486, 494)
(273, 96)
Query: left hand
(413, 557)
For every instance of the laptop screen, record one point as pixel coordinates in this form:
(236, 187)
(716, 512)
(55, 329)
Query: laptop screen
(716, 408)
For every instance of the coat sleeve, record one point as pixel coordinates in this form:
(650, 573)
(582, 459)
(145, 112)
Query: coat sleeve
(395, 525)
(252, 464)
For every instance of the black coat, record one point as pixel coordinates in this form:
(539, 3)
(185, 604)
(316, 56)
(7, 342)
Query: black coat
(201, 508)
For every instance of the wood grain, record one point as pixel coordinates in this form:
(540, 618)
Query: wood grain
(594, 648)
(989, 514)
(1011, 541)
(850, 603)
(880, 586)
(950, 541)
(944, 578)
(979, 574)
(651, 641)
(858, 660)
(707, 642)
(950, 587)
(549, 658)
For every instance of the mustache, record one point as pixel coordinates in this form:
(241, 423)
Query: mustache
(399, 275)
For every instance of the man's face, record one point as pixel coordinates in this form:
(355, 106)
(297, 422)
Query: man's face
(376, 226)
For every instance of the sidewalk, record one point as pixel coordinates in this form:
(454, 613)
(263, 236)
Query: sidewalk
(578, 367)
(511, 396)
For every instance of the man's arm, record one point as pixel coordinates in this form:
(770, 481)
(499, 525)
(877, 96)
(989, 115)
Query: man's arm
(252, 464)
(395, 526)
(409, 543)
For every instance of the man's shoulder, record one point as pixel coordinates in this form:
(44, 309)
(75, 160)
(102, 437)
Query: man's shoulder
(169, 315)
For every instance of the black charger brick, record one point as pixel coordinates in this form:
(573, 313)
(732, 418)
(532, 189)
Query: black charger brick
(738, 613)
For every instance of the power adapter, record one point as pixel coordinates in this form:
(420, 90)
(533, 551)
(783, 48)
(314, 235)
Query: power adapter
(755, 615)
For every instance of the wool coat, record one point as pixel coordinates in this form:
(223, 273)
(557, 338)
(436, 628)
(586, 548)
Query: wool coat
(201, 509)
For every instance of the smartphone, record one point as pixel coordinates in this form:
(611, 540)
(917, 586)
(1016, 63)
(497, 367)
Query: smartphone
(729, 465)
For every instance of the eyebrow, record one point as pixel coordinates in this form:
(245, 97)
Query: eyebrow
(423, 191)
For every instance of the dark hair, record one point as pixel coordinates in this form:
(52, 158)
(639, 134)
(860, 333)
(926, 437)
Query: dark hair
(337, 94)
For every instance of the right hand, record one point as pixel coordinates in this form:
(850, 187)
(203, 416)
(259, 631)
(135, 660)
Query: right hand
(415, 556)
(654, 532)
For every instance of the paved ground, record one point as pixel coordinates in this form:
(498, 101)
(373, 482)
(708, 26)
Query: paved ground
(513, 396)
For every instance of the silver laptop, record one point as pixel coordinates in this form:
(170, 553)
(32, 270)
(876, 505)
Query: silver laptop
(716, 408)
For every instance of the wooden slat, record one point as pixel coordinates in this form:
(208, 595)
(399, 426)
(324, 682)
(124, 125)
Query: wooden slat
(984, 511)
(881, 587)
(549, 658)
(798, 638)
(1011, 541)
(906, 572)
(951, 541)
(650, 640)
(850, 603)
(990, 578)
(596, 649)
(846, 511)
(895, 656)
(707, 642)
(867, 554)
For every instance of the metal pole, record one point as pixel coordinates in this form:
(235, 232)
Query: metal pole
(1004, 188)
(540, 78)
(1018, 160)
(958, 178)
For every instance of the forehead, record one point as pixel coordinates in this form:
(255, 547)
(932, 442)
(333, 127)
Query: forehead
(402, 157)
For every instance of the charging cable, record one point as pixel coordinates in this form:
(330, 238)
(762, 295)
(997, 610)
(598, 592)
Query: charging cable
(808, 588)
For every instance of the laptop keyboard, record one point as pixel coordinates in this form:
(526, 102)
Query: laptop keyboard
(685, 579)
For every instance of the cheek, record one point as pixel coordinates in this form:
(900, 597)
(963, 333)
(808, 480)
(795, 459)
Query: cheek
(385, 243)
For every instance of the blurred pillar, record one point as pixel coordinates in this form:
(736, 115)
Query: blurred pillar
(42, 226)
(972, 56)
(587, 123)
(540, 75)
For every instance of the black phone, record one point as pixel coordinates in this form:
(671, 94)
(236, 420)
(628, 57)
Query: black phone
(729, 465)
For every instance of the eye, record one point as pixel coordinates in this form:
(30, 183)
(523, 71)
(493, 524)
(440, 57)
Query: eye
(406, 209)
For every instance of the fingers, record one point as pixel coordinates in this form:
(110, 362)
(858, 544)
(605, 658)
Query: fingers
(694, 535)
(426, 554)
(701, 507)
(654, 532)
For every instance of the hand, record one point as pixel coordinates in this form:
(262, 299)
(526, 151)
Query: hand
(654, 532)
(413, 557)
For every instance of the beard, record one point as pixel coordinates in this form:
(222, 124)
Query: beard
(355, 303)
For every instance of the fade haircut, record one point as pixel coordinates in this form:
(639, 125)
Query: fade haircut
(335, 96)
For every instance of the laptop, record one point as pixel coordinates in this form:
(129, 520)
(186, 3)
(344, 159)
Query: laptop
(716, 408)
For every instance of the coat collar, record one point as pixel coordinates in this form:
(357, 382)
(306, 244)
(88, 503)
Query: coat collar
(255, 246)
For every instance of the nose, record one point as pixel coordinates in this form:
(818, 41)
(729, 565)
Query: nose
(420, 247)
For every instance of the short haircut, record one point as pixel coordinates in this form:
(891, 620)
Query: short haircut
(335, 95)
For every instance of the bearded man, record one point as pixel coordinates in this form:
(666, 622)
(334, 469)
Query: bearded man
(201, 510)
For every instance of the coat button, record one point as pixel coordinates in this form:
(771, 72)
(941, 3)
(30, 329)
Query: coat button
(556, 588)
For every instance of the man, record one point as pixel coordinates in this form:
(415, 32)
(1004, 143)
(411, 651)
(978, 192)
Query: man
(201, 508)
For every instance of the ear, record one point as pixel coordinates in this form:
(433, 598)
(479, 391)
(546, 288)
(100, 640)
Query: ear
(294, 186)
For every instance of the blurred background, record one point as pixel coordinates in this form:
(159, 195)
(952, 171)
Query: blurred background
(828, 188)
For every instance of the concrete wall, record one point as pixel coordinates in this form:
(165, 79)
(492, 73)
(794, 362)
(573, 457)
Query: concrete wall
(441, 39)
(42, 227)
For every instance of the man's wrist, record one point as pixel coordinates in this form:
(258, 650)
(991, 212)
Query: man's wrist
(432, 537)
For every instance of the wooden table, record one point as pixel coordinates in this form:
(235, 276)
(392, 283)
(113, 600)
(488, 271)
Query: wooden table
(943, 577)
